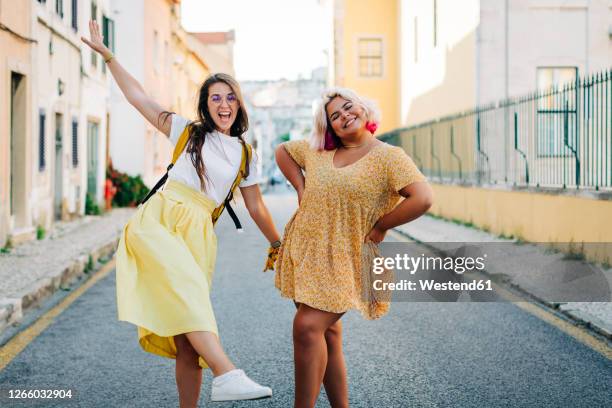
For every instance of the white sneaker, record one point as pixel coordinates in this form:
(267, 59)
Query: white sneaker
(235, 385)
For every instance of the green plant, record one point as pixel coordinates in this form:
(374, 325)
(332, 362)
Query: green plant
(89, 265)
(91, 207)
(40, 232)
(7, 246)
(130, 190)
(573, 256)
(574, 253)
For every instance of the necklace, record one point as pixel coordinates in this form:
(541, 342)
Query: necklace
(355, 146)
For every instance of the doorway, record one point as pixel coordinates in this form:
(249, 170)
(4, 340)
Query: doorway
(17, 186)
(92, 159)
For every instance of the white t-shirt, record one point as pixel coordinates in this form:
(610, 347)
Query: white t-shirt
(220, 172)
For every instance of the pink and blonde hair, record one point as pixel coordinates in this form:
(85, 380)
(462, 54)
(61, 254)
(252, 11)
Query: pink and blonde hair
(323, 136)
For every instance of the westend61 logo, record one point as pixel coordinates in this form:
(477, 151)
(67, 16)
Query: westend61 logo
(412, 265)
(480, 272)
(438, 273)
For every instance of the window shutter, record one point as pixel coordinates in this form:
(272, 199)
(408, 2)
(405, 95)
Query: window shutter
(75, 143)
(41, 141)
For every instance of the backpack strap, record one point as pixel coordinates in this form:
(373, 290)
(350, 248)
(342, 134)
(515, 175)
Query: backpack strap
(243, 172)
(178, 149)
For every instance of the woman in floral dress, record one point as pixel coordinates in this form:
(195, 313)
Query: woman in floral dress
(348, 185)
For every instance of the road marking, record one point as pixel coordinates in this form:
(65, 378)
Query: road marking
(583, 336)
(16, 345)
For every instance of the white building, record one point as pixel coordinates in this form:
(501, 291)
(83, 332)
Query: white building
(459, 54)
(95, 104)
(127, 128)
(281, 110)
(71, 110)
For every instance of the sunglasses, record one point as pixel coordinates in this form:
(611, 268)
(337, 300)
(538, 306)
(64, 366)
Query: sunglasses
(218, 99)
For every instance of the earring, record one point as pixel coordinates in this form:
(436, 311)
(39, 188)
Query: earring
(371, 127)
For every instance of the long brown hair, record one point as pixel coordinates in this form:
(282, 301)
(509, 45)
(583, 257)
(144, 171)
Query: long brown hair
(204, 123)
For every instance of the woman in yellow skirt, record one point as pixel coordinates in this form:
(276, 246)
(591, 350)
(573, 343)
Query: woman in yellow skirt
(167, 251)
(348, 197)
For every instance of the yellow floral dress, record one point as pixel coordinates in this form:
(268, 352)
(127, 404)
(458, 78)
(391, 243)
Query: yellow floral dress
(319, 263)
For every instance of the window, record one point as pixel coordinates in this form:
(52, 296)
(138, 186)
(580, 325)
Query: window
(370, 57)
(42, 1)
(41, 141)
(92, 157)
(59, 7)
(550, 76)
(75, 143)
(108, 31)
(555, 107)
(94, 16)
(74, 22)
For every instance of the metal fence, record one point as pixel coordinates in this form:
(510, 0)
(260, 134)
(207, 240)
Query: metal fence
(559, 138)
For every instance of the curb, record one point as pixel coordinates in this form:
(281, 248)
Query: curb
(12, 309)
(577, 317)
(586, 320)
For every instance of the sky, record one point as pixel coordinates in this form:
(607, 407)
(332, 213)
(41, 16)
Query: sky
(274, 38)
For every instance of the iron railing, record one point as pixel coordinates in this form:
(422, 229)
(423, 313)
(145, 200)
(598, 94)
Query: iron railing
(558, 138)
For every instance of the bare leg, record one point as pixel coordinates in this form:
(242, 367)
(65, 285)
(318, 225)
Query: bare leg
(188, 373)
(310, 352)
(335, 374)
(207, 345)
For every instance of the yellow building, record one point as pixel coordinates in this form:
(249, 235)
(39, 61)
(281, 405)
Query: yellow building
(16, 94)
(366, 53)
(218, 50)
(189, 70)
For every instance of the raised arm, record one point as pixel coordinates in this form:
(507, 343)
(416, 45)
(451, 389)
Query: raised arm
(130, 87)
(291, 170)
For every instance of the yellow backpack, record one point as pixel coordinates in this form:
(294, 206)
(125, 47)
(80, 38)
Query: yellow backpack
(243, 172)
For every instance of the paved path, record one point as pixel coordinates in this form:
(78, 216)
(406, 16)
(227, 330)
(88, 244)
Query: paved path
(420, 355)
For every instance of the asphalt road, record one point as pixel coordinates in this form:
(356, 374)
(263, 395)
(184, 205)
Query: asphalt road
(420, 355)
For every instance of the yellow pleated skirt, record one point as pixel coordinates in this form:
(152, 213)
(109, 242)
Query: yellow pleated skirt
(165, 263)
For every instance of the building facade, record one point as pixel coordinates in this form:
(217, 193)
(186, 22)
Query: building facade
(71, 112)
(458, 55)
(53, 145)
(424, 59)
(218, 50)
(16, 121)
(279, 111)
(365, 55)
(95, 106)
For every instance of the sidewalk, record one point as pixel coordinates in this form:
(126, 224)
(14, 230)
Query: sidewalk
(34, 270)
(531, 278)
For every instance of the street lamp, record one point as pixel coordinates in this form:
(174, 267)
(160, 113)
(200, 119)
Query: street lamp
(60, 86)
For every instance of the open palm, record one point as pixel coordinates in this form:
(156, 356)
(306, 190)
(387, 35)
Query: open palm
(96, 42)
